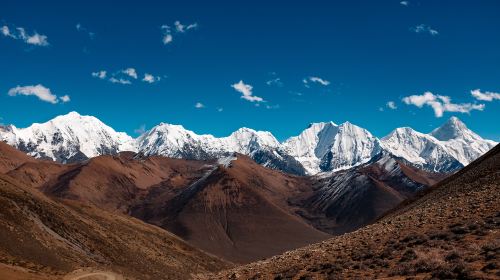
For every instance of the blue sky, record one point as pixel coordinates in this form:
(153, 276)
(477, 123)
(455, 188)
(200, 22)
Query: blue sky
(335, 61)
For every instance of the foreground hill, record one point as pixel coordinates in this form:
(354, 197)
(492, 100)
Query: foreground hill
(45, 238)
(451, 231)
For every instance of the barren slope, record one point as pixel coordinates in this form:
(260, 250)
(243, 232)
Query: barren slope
(238, 211)
(52, 238)
(450, 232)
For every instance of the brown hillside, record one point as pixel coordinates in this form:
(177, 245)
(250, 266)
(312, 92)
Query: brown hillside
(239, 212)
(41, 238)
(451, 232)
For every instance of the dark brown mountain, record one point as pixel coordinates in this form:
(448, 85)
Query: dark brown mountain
(450, 231)
(347, 200)
(11, 158)
(42, 237)
(239, 211)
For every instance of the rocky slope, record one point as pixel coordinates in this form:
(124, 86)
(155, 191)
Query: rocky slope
(43, 238)
(451, 231)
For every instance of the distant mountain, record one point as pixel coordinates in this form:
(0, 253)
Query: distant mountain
(447, 148)
(68, 138)
(327, 146)
(322, 147)
(178, 142)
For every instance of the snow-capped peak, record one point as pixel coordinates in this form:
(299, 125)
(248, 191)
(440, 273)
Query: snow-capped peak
(323, 146)
(327, 146)
(452, 129)
(446, 148)
(68, 137)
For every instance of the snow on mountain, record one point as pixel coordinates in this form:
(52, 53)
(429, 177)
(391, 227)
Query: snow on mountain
(321, 147)
(421, 150)
(445, 149)
(327, 146)
(178, 142)
(461, 142)
(68, 138)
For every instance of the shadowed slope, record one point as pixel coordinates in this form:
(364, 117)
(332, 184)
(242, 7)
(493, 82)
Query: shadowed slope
(239, 211)
(451, 232)
(48, 237)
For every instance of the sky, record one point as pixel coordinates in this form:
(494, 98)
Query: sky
(216, 66)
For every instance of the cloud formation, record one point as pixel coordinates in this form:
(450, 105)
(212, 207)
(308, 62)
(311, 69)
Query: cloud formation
(80, 28)
(179, 27)
(125, 76)
(39, 91)
(422, 28)
(148, 78)
(315, 80)
(168, 31)
(391, 105)
(405, 3)
(199, 105)
(246, 92)
(130, 72)
(141, 129)
(440, 104)
(485, 96)
(275, 82)
(100, 74)
(19, 33)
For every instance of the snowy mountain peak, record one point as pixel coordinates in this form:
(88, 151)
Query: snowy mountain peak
(67, 138)
(323, 146)
(327, 146)
(452, 129)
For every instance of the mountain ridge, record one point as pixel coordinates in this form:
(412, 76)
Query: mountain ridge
(321, 147)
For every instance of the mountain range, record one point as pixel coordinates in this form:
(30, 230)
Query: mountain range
(321, 147)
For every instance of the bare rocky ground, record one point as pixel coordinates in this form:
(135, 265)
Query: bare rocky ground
(451, 231)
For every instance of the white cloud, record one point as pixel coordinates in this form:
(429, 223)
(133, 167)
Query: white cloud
(277, 106)
(199, 105)
(440, 104)
(65, 98)
(179, 27)
(405, 3)
(391, 105)
(19, 33)
(422, 28)
(130, 72)
(275, 82)
(148, 78)
(168, 37)
(80, 28)
(141, 129)
(220, 109)
(485, 96)
(39, 91)
(316, 80)
(246, 91)
(100, 74)
(120, 81)
(125, 76)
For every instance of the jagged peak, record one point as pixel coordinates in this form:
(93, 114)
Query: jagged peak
(321, 124)
(452, 129)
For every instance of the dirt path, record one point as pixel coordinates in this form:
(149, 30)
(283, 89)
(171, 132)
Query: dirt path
(93, 275)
